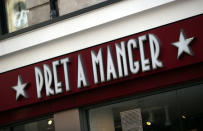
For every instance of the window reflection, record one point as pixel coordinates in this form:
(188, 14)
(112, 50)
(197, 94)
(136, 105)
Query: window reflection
(42, 125)
(24, 13)
(191, 106)
(5, 129)
(178, 110)
(152, 113)
(39, 125)
(16, 14)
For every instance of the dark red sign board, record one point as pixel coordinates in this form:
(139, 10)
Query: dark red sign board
(167, 35)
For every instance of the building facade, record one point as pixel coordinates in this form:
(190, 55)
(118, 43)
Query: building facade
(101, 65)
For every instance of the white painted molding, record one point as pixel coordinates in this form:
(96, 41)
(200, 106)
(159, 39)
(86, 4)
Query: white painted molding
(131, 24)
(76, 24)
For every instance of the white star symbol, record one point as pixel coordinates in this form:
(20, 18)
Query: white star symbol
(183, 44)
(19, 88)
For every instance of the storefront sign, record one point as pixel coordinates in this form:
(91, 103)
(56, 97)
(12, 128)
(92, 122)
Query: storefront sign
(101, 73)
(172, 46)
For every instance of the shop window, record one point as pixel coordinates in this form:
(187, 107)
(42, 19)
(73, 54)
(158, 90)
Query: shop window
(151, 113)
(177, 110)
(5, 129)
(191, 108)
(38, 125)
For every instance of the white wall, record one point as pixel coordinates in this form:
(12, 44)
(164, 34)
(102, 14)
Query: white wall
(91, 29)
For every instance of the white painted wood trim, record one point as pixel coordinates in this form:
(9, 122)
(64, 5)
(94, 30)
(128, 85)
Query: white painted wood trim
(138, 22)
(76, 24)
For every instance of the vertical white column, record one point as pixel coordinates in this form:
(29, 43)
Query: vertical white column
(67, 120)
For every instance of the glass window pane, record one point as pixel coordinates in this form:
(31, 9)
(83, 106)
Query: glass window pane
(191, 105)
(42, 125)
(5, 129)
(24, 13)
(151, 113)
(75, 5)
(17, 16)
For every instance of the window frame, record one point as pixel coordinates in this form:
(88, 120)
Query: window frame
(84, 111)
(3, 19)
